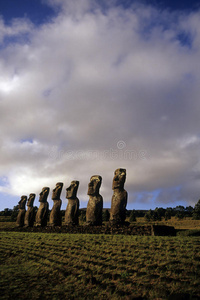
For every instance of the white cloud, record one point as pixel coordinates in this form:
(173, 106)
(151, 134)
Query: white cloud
(6, 86)
(88, 79)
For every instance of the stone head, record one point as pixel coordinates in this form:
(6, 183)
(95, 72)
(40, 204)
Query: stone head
(57, 191)
(22, 202)
(94, 185)
(31, 200)
(44, 194)
(119, 179)
(23, 198)
(72, 189)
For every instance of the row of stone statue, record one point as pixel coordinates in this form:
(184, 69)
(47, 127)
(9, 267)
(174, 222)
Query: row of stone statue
(94, 207)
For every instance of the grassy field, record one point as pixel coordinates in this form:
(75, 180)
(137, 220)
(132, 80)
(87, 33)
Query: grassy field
(186, 223)
(75, 266)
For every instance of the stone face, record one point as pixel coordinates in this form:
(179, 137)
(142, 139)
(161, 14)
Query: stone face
(55, 215)
(95, 203)
(42, 213)
(22, 211)
(30, 213)
(119, 198)
(72, 210)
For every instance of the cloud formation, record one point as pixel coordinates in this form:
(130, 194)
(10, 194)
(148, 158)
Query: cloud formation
(73, 89)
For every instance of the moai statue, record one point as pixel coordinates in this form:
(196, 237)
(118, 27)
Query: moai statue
(72, 210)
(30, 213)
(42, 213)
(22, 211)
(55, 215)
(95, 203)
(119, 198)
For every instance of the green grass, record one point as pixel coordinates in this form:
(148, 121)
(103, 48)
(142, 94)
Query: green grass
(186, 223)
(75, 266)
(6, 224)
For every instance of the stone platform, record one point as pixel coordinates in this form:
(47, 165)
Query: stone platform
(148, 230)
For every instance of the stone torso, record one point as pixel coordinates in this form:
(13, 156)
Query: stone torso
(71, 214)
(94, 210)
(29, 217)
(118, 207)
(22, 211)
(119, 201)
(55, 216)
(42, 214)
(20, 217)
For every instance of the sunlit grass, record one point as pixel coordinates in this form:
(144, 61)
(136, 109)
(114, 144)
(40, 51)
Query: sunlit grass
(186, 223)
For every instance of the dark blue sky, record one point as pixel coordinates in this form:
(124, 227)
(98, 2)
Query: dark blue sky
(38, 12)
(170, 4)
(32, 9)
